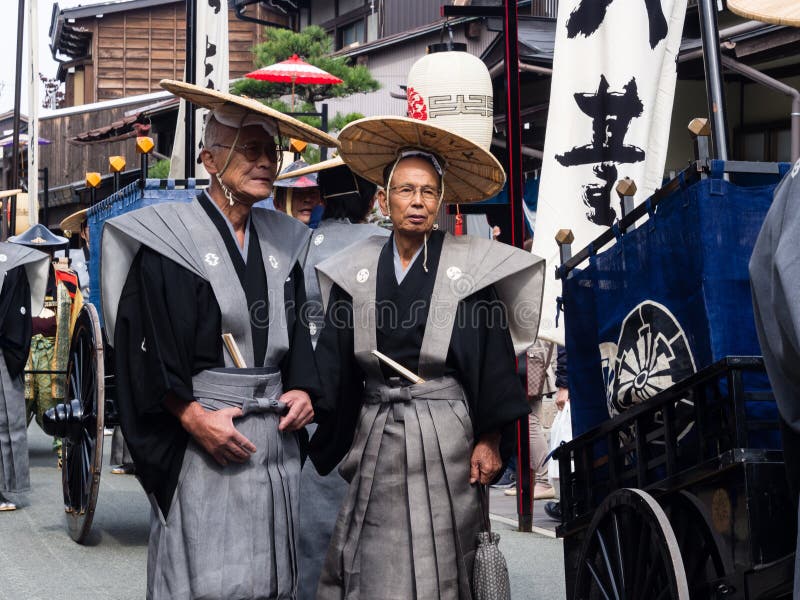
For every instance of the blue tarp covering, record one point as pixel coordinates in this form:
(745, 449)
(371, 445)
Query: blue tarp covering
(665, 300)
(125, 200)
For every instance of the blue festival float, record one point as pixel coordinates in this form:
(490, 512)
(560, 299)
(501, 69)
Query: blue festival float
(675, 476)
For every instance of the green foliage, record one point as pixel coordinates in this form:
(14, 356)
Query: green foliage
(339, 121)
(312, 155)
(314, 46)
(159, 170)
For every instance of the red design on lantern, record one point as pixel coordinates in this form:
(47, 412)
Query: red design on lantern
(416, 105)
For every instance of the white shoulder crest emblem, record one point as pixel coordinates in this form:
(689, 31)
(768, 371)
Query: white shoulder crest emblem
(362, 275)
(211, 259)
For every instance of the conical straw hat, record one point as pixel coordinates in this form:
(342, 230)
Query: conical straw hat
(73, 222)
(471, 174)
(780, 12)
(213, 99)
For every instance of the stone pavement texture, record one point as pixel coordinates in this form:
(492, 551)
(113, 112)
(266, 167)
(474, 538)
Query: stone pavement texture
(38, 560)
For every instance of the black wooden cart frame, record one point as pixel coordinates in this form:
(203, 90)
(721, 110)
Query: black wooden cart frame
(671, 500)
(646, 515)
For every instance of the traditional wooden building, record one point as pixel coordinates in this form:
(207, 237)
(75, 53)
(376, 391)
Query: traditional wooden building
(111, 57)
(120, 49)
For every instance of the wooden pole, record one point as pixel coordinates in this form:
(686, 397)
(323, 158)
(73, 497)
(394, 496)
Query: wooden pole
(6, 225)
(191, 76)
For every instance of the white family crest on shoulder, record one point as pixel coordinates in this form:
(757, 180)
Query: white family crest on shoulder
(453, 273)
(211, 259)
(3, 258)
(362, 275)
(796, 168)
(273, 261)
(319, 238)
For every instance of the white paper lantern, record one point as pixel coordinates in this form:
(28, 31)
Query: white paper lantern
(452, 89)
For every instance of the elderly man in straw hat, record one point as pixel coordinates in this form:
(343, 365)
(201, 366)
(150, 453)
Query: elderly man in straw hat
(213, 426)
(347, 199)
(417, 355)
(23, 278)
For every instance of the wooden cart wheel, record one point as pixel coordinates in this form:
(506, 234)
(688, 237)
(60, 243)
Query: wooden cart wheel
(704, 554)
(630, 552)
(82, 448)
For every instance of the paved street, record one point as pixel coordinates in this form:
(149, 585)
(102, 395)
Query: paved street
(40, 562)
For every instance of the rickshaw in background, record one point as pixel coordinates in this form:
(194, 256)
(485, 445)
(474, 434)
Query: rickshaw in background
(89, 405)
(674, 485)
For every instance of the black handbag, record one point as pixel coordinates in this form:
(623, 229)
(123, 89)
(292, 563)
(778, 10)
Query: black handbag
(490, 572)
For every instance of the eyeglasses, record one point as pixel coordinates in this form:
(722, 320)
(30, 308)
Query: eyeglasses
(407, 192)
(253, 152)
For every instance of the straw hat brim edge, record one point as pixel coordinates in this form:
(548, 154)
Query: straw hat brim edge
(750, 9)
(211, 99)
(369, 159)
(315, 168)
(73, 221)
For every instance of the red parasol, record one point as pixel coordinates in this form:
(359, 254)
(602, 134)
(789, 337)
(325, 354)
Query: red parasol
(294, 70)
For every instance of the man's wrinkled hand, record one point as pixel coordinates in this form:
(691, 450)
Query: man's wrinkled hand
(214, 431)
(300, 410)
(485, 462)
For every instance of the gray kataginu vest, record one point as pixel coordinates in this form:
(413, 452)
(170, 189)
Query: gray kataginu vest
(466, 266)
(185, 234)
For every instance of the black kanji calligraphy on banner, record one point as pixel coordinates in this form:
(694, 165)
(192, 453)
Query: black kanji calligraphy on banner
(597, 197)
(611, 114)
(589, 15)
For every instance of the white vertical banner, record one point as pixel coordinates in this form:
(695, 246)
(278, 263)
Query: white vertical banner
(211, 62)
(33, 113)
(614, 73)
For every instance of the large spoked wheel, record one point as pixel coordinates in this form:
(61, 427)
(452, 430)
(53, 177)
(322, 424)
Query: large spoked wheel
(630, 552)
(705, 557)
(82, 448)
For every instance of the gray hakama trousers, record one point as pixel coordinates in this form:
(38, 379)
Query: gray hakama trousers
(14, 466)
(409, 523)
(230, 532)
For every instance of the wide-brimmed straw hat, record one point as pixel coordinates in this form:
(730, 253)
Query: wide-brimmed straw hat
(471, 174)
(780, 12)
(73, 222)
(213, 99)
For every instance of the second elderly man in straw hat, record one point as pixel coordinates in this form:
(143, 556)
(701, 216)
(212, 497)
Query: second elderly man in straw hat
(213, 427)
(417, 355)
(348, 199)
